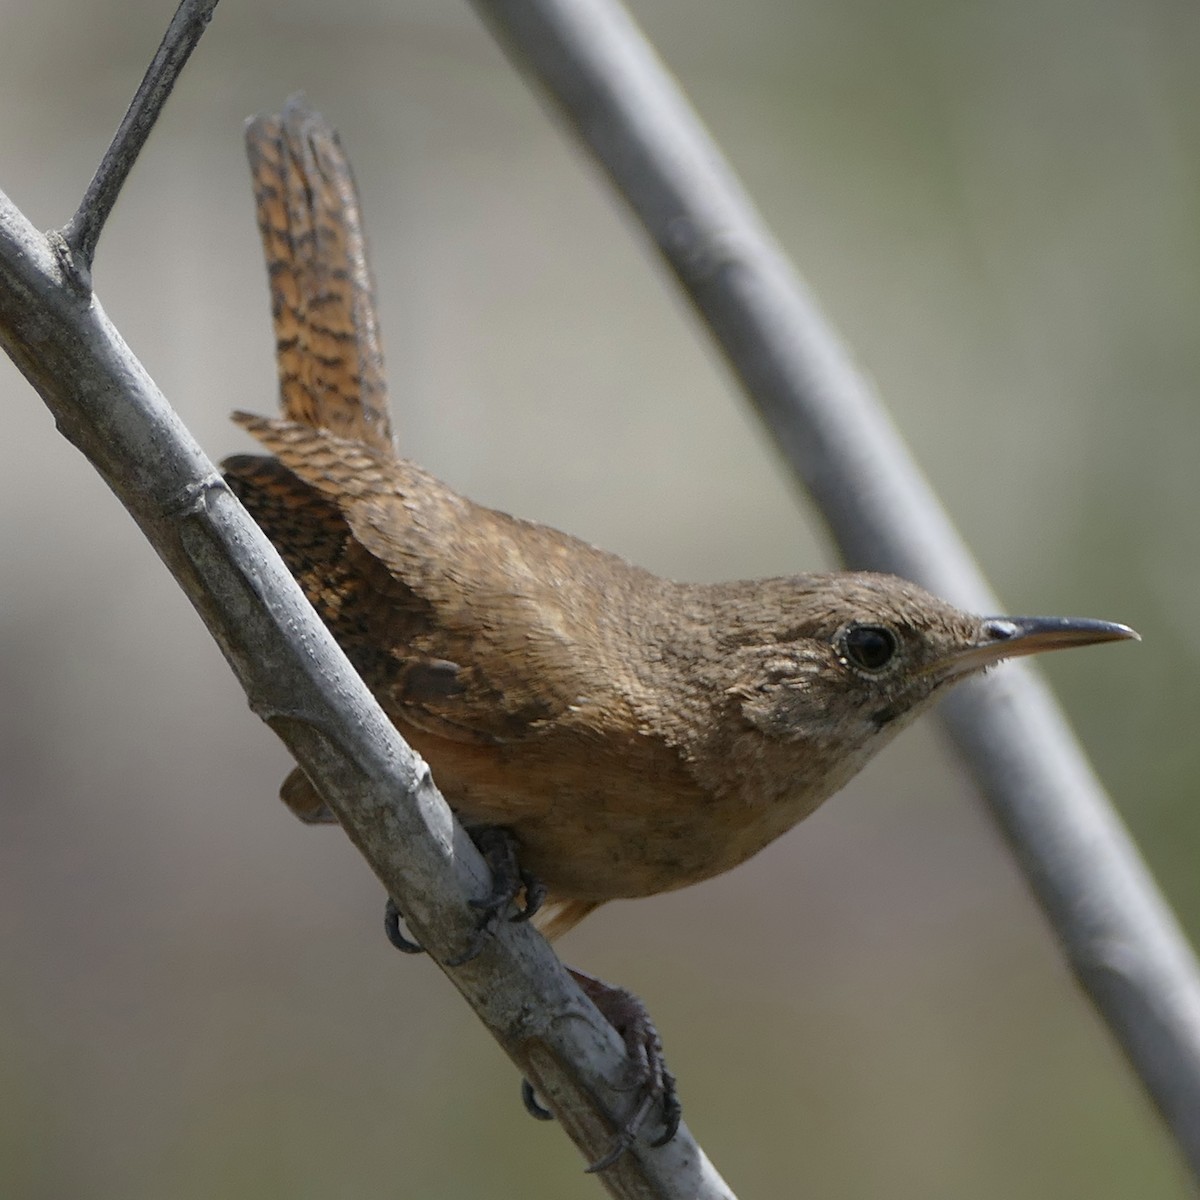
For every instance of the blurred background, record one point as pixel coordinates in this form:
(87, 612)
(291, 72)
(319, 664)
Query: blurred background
(999, 205)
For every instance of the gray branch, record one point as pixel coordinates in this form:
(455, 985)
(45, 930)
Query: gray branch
(1116, 930)
(83, 231)
(295, 675)
(300, 683)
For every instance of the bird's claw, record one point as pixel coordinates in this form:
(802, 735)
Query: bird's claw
(499, 849)
(648, 1072)
(628, 1133)
(535, 896)
(391, 926)
(647, 1069)
(509, 881)
(533, 1106)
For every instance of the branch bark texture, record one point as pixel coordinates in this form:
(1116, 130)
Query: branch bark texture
(183, 33)
(300, 683)
(1120, 938)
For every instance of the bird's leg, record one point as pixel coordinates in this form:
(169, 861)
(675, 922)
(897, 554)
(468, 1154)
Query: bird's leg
(649, 1075)
(499, 849)
(497, 845)
(651, 1080)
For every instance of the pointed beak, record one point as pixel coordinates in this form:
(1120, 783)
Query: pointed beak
(1010, 637)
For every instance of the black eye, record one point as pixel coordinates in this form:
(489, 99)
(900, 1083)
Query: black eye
(870, 647)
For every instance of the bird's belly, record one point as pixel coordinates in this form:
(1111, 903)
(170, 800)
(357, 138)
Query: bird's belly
(610, 828)
(620, 855)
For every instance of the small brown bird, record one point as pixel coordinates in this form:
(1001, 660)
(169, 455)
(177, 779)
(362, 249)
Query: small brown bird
(629, 734)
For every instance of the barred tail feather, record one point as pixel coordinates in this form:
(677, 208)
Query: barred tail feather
(322, 301)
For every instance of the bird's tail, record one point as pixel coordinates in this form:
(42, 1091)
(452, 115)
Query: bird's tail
(322, 298)
(556, 916)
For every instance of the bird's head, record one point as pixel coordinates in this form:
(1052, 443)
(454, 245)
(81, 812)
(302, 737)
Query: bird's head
(859, 655)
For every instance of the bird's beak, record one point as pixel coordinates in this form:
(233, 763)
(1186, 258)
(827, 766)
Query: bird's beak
(1010, 637)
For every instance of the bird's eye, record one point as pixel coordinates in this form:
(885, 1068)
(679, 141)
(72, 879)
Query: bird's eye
(869, 647)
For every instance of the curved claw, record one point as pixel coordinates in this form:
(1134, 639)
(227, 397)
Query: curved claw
(499, 849)
(391, 926)
(647, 1067)
(672, 1110)
(535, 896)
(625, 1137)
(532, 1105)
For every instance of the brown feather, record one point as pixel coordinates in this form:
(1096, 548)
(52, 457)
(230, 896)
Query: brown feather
(322, 297)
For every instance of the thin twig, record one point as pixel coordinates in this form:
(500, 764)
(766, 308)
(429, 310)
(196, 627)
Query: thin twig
(1116, 930)
(83, 230)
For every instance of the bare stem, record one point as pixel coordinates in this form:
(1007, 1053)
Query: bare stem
(1117, 932)
(83, 230)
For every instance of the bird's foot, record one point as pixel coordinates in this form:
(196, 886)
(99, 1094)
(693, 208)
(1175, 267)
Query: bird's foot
(509, 882)
(649, 1077)
(499, 849)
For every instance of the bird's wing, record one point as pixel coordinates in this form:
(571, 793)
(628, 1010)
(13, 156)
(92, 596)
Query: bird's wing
(434, 607)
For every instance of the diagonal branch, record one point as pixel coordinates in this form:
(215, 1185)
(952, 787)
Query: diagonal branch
(295, 675)
(1116, 930)
(300, 683)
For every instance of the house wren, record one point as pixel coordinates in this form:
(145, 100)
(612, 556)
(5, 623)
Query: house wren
(628, 734)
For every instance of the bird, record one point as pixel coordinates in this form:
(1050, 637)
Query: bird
(604, 732)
